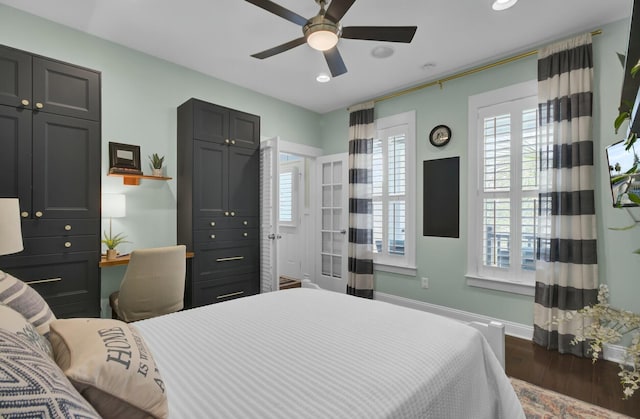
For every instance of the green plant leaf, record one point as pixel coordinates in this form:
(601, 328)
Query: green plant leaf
(634, 198)
(635, 69)
(623, 116)
(622, 228)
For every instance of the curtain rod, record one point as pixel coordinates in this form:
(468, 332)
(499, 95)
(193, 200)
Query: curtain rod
(465, 73)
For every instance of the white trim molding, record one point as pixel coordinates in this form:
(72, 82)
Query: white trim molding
(613, 353)
(513, 329)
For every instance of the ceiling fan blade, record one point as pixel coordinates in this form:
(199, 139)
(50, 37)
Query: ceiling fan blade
(276, 9)
(380, 33)
(280, 48)
(338, 8)
(335, 62)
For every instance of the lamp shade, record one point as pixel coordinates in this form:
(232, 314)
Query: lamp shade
(114, 205)
(10, 231)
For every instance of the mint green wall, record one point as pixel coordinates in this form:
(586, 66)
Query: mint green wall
(140, 94)
(443, 260)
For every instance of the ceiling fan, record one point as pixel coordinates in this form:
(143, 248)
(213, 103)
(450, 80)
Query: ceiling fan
(323, 30)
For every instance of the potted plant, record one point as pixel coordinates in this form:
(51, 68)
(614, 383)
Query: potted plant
(156, 164)
(112, 241)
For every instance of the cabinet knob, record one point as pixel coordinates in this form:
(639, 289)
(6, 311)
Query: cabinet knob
(67, 227)
(233, 142)
(39, 105)
(245, 223)
(226, 213)
(245, 234)
(67, 244)
(24, 102)
(38, 214)
(233, 214)
(226, 141)
(24, 214)
(213, 236)
(213, 223)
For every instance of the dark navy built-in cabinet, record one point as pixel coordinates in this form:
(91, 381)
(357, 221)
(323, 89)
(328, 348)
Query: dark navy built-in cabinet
(50, 159)
(219, 200)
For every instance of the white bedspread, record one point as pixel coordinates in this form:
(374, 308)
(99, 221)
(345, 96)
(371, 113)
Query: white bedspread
(305, 353)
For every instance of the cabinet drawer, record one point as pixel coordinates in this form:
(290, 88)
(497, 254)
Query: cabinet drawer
(218, 262)
(204, 223)
(69, 283)
(62, 244)
(209, 292)
(52, 227)
(240, 235)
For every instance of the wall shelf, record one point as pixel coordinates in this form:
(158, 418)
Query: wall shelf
(135, 179)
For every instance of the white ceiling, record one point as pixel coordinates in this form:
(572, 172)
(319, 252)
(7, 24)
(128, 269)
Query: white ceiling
(217, 37)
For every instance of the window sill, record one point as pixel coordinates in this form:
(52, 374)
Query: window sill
(501, 285)
(402, 270)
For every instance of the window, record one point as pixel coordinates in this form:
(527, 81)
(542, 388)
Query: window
(503, 188)
(394, 193)
(288, 201)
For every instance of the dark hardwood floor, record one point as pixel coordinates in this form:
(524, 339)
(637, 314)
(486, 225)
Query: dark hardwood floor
(567, 374)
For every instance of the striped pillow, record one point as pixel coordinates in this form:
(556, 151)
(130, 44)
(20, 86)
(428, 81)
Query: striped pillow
(12, 321)
(26, 301)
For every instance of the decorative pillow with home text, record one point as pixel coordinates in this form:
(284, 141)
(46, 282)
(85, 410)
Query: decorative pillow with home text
(111, 366)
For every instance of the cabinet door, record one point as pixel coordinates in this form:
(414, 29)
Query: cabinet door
(15, 155)
(210, 122)
(210, 180)
(244, 129)
(15, 77)
(244, 181)
(65, 89)
(66, 156)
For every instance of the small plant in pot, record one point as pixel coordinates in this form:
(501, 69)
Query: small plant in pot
(112, 241)
(156, 164)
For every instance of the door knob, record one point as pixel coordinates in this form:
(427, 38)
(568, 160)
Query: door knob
(24, 214)
(343, 231)
(38, 214)
(39, 105)
(25, 102)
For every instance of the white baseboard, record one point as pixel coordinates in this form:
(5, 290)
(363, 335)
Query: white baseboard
(613, 353)
(513, 329)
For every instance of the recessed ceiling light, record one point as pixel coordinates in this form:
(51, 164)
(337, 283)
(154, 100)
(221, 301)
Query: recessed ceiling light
(502, 4)
(323, 78)
(382, 51)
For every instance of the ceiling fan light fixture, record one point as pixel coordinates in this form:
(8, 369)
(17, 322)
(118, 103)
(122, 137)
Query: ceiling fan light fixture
(499, 5)
(322, 40)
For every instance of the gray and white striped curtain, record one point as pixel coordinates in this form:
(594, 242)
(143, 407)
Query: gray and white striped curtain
(566, 262)
(361, 132)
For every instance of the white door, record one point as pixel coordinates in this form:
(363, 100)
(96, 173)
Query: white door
(332, 222)
(269, 275)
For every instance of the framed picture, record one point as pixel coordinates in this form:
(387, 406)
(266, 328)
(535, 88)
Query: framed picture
(124, 158)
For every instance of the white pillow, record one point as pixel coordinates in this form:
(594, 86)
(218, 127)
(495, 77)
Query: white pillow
(111, 366)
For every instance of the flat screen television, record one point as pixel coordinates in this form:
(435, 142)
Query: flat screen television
(624, 172)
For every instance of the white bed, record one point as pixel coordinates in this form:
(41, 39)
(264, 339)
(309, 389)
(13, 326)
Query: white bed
(305, 353)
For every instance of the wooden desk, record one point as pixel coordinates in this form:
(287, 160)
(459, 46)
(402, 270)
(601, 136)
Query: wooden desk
(124, 260)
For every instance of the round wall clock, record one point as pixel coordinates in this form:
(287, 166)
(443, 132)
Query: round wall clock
(440, 135)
